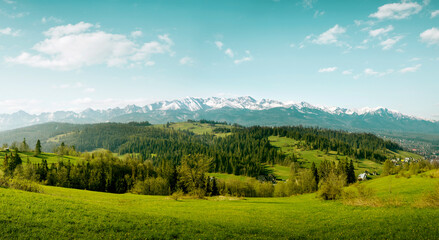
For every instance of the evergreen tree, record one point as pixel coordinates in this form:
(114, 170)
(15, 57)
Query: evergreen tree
(15, 161)
(351, 178)
(38, 147)
(315, 173)
(24, 147)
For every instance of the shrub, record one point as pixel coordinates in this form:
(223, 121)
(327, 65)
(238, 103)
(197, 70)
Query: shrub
(198, 193)
(177, 195)
(151, 186)
(280, 190)
(20, 184)
(331, 188)
(264, 189)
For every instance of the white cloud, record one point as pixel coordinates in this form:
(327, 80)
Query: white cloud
(68, 29)
(13, 15)
(318, 13)
(8, 31)
(347, 72)
(330, 36)
(247, 58)
(219, 45)
(415, 59)
(390, 42)
(380, 31)
(397, 10)
(308, 3)
(149, 63)
(430, 36)
(166, 39)
(51, 19)
(9, 1)
(328, 69)
(89, 90)
(434, 14)
(410, 69)
(136, 34)
(371, 72)
(71, 47)
(186, 61)
(77, 85)
(229, 53)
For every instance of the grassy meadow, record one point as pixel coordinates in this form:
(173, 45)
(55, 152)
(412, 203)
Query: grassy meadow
(50, 157)
(200, 128)
(307, 157)
(61, 213)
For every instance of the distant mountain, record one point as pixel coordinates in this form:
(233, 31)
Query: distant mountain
(242, 110)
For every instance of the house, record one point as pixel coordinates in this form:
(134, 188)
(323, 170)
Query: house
(362, 177)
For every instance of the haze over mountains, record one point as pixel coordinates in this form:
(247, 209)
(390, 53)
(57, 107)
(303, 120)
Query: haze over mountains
(242, 110)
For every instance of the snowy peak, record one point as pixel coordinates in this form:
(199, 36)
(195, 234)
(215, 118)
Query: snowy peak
(213, 108)
(246, 102)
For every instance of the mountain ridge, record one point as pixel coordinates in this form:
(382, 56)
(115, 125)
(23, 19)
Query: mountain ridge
(243, 110)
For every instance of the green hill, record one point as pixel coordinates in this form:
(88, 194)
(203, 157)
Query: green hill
(307, 156)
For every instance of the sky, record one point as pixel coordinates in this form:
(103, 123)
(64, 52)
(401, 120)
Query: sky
(72, 55)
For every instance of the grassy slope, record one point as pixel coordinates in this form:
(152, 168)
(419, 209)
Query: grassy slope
(307, 157)
(200, 128)
(50, 157)
(68, 213)
(226, 176)
(409, 189)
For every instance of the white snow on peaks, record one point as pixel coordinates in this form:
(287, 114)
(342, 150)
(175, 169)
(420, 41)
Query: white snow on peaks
(194, 104)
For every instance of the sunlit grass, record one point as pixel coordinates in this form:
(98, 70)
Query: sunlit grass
(67, 213)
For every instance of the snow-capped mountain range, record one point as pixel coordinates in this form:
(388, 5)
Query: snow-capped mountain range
(242, 110)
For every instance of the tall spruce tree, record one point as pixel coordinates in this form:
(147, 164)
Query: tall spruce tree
(38, 147)
(315, 173)
(351, 173)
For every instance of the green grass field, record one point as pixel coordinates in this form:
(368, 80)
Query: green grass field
(307, 157)
(199, 128)
(226, 176)
(50, 157)
(61, 213)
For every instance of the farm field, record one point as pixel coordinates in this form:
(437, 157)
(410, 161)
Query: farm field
(68, 213)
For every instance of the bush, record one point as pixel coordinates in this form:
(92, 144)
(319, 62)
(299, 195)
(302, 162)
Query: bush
(20, 184)
(198, 193)
(177, 195)
(264, 189)
(151, 186)
(331, 188)
(280, 190)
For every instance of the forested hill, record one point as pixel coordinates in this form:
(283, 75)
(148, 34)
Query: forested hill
(232, 149)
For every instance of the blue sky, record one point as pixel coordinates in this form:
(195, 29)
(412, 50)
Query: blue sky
(70, 55)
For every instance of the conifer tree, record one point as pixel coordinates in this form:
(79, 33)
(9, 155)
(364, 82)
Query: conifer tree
(38, 147)
(351, 173)
(315, 172)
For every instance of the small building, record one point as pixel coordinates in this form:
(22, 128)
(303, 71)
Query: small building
(362, 177)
